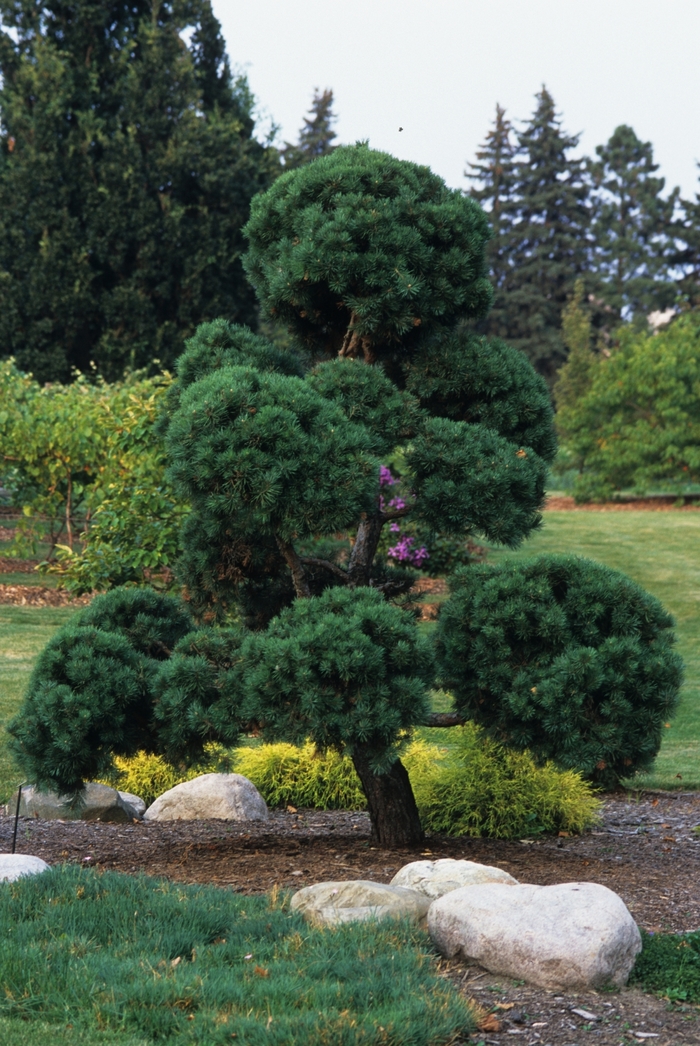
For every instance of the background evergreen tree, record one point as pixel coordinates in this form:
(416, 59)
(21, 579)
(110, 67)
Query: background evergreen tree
(547, 244)
(127, 165)
(316, 136)
(495, 174)
(632, 229)
(687, 257)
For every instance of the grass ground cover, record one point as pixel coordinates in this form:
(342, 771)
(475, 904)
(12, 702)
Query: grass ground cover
(660, 551)
(154, 961)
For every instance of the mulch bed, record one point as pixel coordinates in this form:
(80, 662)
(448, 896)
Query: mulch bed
(645, 849)
(662, 504)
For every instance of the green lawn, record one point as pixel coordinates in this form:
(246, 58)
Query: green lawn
(24, 631)
(661, 551)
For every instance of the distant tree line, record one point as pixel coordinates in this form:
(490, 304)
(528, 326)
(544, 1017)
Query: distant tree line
(129, 156)
(557, 219)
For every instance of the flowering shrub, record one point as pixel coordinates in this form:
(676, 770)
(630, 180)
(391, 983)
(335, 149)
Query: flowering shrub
(405, 551)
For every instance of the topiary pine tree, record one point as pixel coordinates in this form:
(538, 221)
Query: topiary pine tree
(375, 265)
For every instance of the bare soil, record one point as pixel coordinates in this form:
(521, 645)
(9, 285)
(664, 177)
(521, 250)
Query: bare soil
(645, 849)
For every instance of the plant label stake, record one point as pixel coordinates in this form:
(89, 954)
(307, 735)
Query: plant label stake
(14, 832)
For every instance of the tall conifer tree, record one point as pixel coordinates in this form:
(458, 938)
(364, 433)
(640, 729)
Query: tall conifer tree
(687, 231)
(316, 136)
(548, 243)
(632, 227)
(495, 176)
(127, 165)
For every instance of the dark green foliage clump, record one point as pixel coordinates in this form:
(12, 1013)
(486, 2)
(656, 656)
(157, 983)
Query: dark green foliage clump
(368, 397)
(669, 964)
(360, 238)
(90, 695)
(564, 657)
(465, 377)
(268, 451)
(345, 668)
(76, 944)
(198, 694)
(467, 477)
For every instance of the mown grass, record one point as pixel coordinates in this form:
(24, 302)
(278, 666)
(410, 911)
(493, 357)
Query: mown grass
(661, 551)
(24, 632)
(153, 961)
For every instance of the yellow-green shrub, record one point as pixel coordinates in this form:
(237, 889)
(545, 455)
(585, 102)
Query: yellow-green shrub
(480, 788)
(475, 788)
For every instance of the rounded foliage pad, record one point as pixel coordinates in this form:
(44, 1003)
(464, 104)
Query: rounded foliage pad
(342, 668)
(359, 236)
(198, 694)
(270, 455)
(564, 657)
(151, 622)
(467, 477)
(465, 377)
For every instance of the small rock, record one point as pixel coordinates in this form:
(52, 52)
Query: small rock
(98, 802)
(573, 935)
(229, 797)
(14, 866)
(327, 904)
(436, 878)
(585, 1014)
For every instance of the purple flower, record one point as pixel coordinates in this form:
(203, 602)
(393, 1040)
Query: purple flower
(397, 503)
(404, 552)
(385, 477)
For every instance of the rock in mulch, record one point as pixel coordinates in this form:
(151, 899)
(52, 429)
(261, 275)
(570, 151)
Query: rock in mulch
(572, 935)
(135, 802)
(98, 802)
(230, 797)
(13, 866)
(327, 904)
(436, 878)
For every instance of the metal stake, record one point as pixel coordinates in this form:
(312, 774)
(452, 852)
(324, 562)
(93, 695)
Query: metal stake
(14, 833)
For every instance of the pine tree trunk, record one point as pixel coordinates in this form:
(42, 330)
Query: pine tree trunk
(390, 801)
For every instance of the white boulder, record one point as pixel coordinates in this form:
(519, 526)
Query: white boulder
(435, 878)
(327, 904)
(230, 797)
(98, 802)
(14, 866)
(573, 935)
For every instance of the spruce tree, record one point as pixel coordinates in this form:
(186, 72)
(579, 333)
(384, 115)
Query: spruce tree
(378, 266)
(316, 136)
(632, 230)
(686, 230)
(495, 175)
(127, 165)
(548, 244)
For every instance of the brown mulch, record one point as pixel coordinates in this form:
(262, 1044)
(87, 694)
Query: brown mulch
(39, 596)
(645, 849)
(662, 504)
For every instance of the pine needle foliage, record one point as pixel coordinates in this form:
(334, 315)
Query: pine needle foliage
(360, 238)
(564, 657)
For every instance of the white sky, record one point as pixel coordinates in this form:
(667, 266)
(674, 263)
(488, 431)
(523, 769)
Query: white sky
(438, 67)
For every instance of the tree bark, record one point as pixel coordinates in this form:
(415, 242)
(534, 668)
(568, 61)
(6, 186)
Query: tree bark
(445, 719)
(301, 584)
(392, 807)
(365, 548)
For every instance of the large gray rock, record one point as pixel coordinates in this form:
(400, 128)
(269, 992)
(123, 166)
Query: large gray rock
(230, 797)
(573, 935)
(14, 866)
(435, 878)
(327, 904)
(98, 803)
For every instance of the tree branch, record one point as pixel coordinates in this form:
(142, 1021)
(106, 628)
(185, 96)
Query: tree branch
(445, 719)
(313, 561)
(291, 557)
